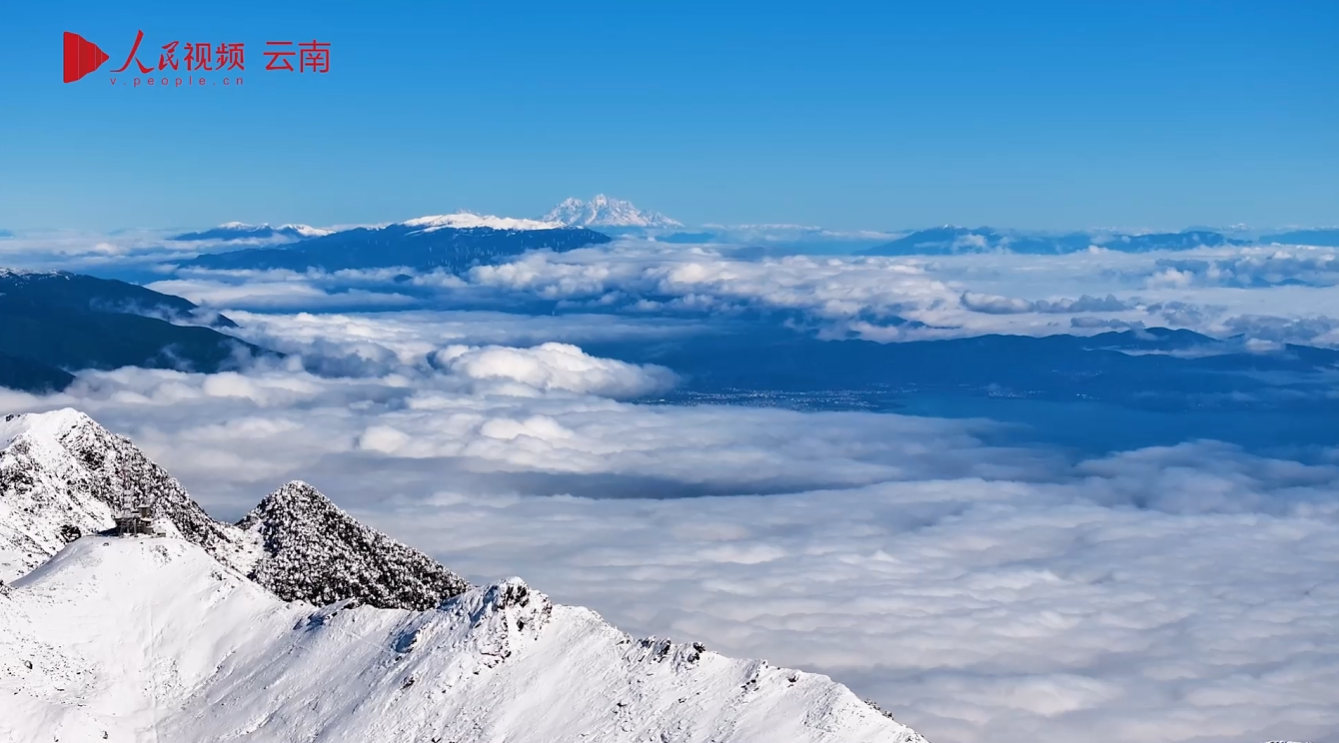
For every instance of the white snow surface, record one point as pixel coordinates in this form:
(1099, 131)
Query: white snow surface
(467, 220)
(154, 640)
(606, 211)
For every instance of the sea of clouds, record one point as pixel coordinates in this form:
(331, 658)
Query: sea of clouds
(980, 592)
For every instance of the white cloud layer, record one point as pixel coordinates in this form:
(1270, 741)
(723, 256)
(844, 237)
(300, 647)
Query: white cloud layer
(981, 593)
(275, 294)
(1253, 267)
(552, 366)
(979, 611)
(1214, 291)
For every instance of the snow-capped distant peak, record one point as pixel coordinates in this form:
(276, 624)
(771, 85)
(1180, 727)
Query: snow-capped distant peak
(468, 220)
(46, 428)
(6, 273)
(605, 211)
(304, 230)
(229, 231)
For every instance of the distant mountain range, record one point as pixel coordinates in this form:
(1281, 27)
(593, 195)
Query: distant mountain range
(232, 231)
(1323, 237)
(621, 217)
(950, 240)
(56, 322)
(452, 242)
(600, 211)
(606, 211)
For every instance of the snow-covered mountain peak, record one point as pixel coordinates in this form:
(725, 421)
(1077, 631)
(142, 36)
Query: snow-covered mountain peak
(497, 620)
(42, 441)
(294, 496)
(510, 598)
(468, 220)
(606, 211)
(62, 475)
(46, 428)
(304, 230)
(315, 551)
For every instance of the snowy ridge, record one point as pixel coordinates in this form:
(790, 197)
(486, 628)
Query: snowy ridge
(301, 230)
(6, 272)
(61, 474)
(468, 220)
(605, 211)
(251, 233)
(314, 551)
(304, 230)
(219, 659)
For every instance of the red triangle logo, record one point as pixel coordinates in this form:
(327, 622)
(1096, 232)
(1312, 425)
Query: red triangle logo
(81, 57)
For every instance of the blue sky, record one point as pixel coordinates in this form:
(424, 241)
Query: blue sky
(1035, 114)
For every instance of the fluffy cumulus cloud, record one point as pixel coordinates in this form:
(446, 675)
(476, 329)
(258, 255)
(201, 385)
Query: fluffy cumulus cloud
(553, 366)
(1252, 267)
(983, 592)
